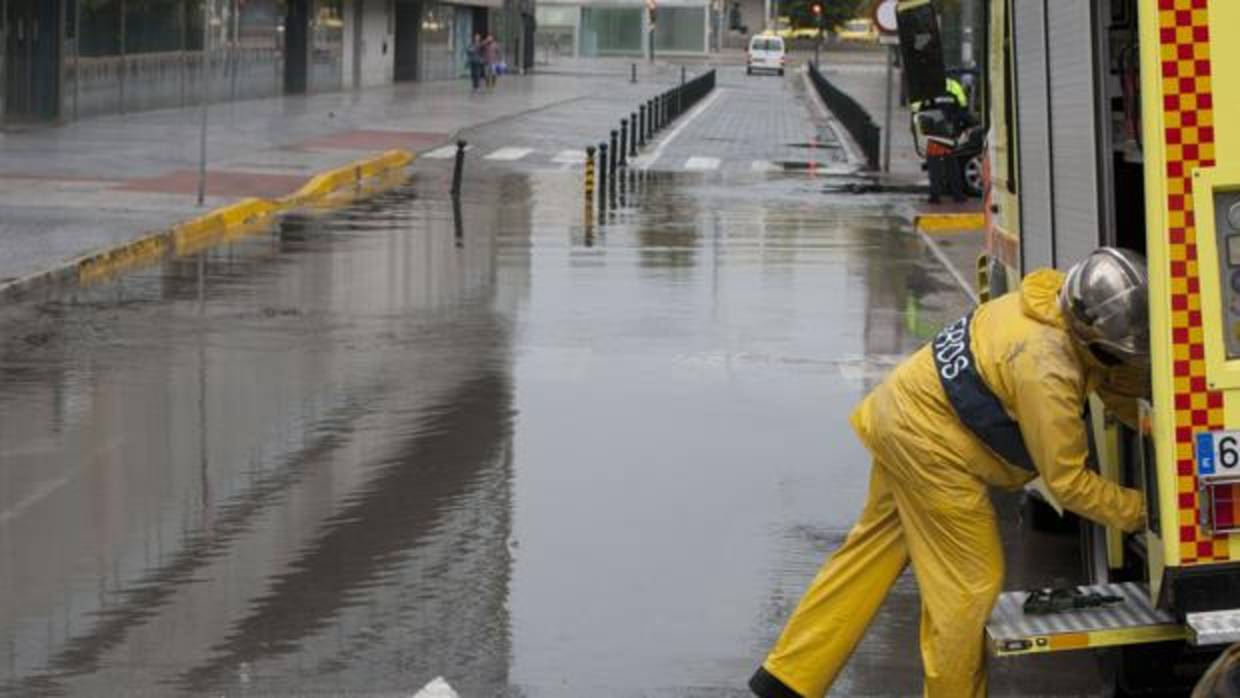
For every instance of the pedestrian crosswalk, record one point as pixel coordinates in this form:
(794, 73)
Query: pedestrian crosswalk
(702, 163)
(575, 158)
(443, 152)
(510, 153)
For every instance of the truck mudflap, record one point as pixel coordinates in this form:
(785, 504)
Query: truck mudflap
(1010, 631)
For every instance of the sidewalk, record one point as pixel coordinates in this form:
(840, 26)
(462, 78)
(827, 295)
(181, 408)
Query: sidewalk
(93, 184)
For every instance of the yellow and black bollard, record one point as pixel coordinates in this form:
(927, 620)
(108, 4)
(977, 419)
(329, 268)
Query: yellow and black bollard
(589, 182)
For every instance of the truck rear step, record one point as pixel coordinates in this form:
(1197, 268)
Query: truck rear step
(1010, 631)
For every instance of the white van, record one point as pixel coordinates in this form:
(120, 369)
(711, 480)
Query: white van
(766, 52)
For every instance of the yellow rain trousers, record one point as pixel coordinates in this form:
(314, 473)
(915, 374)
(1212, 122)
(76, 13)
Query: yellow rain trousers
(928, 501)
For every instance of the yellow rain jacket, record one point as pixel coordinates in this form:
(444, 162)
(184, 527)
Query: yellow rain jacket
(928, 499)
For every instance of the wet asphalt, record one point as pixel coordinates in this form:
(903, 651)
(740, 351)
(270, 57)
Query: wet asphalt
(533, 453)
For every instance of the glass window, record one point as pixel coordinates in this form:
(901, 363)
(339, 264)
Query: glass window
(101, 28)
(555, 15)
(680, 29)
(327, 45)
(611, 30)
(152, 26)
(261, 22)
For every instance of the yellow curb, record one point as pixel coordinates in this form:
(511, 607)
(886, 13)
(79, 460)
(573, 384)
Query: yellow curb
(349, 175)
(949, 222)
(234, 220)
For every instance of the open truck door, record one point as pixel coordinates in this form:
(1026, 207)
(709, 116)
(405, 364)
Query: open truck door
(1118, 122)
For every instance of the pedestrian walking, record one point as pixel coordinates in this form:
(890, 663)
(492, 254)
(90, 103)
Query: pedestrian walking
(492, 57)
(473, 56)
(995, 400)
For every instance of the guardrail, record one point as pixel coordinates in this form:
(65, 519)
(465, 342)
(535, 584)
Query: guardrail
(852, 115)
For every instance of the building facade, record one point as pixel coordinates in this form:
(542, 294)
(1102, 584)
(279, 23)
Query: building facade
(70, 59)
(623, 27)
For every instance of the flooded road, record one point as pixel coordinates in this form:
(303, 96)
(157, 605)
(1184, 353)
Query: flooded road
(531, 455)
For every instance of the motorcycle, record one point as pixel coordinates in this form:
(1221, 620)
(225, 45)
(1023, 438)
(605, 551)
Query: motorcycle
(940, 128)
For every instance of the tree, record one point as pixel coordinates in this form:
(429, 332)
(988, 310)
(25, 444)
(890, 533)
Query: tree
(834, 12)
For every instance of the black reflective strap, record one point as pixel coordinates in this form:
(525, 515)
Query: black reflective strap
(974, 402)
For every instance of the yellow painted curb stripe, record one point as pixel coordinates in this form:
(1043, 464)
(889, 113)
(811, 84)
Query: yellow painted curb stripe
(234, 220)
(943, 222)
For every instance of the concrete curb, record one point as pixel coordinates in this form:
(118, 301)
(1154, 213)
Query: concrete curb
(220, 225)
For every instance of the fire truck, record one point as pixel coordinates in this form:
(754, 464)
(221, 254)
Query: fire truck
(1117, 122)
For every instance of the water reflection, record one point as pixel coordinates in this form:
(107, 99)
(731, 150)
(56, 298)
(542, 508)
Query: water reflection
(283, 464)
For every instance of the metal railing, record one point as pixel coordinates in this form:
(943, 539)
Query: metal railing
(852, 115)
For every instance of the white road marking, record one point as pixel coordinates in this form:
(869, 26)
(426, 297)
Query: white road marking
(762, 166)
(951, 268)
(442, 152)
(437, 689)
(570, 157)
(646, 161)
(510, 153)
(702, 164)
(39, 494)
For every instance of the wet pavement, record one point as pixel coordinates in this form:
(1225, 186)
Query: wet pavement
(533, 454)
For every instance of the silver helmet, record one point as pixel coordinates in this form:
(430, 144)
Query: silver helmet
(1105, 302)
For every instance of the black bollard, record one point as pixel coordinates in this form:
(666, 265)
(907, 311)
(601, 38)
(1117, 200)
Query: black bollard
(460, 166)
(615, 155)
(624, 143)
(633, 135)
(602, 176)
(458, 222)
(642, 126)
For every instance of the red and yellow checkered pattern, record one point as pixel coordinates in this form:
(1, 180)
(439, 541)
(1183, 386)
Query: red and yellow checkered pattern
(1188, 114)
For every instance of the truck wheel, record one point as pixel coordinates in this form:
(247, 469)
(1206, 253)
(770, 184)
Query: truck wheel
(971, 175)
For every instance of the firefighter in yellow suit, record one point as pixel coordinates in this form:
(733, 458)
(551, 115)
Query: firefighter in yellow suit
(995, 400)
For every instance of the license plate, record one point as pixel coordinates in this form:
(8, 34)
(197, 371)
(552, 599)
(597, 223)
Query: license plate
(1218, 455)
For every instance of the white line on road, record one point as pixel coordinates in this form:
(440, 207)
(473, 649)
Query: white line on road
(646, 161)
(951, 268)
(761, 166)
(702, 164)
(442, 152)
(510, 154)
(437, 689)
(569, 157)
